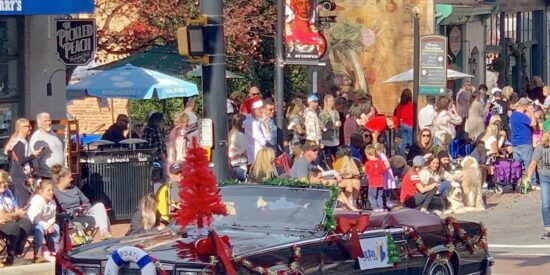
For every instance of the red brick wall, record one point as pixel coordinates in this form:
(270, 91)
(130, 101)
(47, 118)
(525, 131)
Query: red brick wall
(92, 116)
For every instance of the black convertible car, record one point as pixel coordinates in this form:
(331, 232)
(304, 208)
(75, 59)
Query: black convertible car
(279, 230)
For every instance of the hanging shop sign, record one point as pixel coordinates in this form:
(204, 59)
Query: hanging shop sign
(75, 40)
(455, 40)
(32, 7)
(304, 44)
(433, 65)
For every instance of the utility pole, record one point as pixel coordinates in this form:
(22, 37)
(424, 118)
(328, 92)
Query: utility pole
(214, 84)
(279, 65)
(416, 68)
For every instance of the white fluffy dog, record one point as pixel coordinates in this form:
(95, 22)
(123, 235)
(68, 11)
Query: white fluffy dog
(471, 184)
(455, 199)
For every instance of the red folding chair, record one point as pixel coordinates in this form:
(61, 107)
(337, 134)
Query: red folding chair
(281, 165)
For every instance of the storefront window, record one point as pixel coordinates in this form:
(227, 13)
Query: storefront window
(8, 37)
(11, 89)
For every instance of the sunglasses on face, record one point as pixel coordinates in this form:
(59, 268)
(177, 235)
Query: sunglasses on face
(425, 135)
(254, 94)
(139, 125)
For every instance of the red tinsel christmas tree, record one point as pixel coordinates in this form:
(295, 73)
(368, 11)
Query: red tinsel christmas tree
(199, 195)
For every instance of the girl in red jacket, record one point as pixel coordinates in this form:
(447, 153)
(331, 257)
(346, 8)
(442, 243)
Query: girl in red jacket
(375, 168)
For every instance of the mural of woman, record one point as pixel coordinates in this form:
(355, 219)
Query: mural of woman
(301, 34)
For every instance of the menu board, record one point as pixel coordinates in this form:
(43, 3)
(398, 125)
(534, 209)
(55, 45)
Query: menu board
(433, 65)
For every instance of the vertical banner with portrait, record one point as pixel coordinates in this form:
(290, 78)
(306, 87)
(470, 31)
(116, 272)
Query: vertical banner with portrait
(304, 44)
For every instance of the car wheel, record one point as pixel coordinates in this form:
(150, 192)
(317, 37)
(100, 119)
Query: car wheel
(440, 267)
(499, 190)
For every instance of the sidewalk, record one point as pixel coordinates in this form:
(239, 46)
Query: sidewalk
(118, 230)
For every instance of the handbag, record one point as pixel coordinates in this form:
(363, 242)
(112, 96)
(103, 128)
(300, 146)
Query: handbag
(28, 171)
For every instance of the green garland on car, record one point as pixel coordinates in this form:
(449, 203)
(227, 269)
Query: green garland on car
(330, 221)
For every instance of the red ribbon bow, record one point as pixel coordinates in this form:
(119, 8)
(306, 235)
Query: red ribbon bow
(353, 223)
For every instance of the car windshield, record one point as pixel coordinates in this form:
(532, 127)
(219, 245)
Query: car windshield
(273, 207)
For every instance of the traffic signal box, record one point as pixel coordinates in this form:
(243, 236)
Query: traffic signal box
(191, 41)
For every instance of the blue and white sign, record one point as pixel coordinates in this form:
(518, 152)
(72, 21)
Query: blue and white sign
(375, 251)
(35, 7)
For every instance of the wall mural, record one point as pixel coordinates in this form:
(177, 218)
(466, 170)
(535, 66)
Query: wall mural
(368, 41)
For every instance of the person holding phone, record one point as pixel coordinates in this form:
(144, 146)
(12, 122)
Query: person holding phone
(21, 171)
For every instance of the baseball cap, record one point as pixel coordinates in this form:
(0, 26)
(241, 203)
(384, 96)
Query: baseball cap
(496, 90)
(523, 101)
(418, 161)
(310, 146)
(312, 98)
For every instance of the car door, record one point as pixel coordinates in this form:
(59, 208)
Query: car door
(336, 258)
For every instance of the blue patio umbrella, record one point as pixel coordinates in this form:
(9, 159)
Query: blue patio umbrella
(132, 83)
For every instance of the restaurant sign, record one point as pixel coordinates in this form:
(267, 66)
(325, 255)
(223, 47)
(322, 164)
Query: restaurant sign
(30, 7)
(433, 65)
(75, 40)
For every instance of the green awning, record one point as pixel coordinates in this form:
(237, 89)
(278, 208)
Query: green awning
(164, 59)
(458, 14)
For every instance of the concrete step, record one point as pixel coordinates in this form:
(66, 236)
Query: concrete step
(31, 269)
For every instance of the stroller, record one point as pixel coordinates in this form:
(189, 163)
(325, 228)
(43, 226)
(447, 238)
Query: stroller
(507, 172)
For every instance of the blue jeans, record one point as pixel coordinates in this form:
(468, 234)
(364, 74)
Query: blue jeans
(39, 232)
(406, 136)
(545, 199)
(376, 197)
(240, 173)
(443, 188)
(523, 153)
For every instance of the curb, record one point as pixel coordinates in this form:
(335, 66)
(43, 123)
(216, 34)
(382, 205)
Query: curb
(31, 269)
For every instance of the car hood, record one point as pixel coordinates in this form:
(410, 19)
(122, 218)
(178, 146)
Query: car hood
(166, 245)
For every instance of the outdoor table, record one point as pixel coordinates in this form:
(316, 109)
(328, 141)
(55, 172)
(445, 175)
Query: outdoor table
(118, 178)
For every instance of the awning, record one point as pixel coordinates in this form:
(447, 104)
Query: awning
(37, 7)
(447, 14)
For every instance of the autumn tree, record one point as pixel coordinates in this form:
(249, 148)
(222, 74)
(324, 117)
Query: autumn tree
(128, 26)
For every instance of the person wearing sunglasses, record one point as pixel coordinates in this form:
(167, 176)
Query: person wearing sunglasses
(21, 170)
(137, 127)
(115, 133)
(423, 145)
(253, 95)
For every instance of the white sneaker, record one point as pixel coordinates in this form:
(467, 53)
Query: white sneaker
(535, 188)
(485, 186)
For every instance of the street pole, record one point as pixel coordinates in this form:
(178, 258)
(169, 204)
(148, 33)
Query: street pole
(416, 68)
(279, 65)
(214, 84)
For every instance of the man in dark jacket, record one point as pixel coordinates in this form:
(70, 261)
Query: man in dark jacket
(115, 133)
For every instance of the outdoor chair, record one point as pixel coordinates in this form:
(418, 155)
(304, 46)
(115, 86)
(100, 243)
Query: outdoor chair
(281, 166)
(3, 248)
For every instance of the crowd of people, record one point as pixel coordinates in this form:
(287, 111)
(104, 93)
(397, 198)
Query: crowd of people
(37, 188)
(339, 140)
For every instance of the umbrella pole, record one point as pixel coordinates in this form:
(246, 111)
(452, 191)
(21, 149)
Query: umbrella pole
(112, 110)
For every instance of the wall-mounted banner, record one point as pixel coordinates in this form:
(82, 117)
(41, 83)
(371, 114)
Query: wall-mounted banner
(433, 65)
(303, 43)
(75, 40)
(30, 7)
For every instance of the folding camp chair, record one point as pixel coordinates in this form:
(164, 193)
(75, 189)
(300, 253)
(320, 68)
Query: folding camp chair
(281, 165)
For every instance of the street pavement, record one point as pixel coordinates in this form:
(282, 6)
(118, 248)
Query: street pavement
(514, 225)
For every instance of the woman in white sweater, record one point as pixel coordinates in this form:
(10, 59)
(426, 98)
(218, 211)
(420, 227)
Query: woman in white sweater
(445, 119)
(237, 147)
(41, 212)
